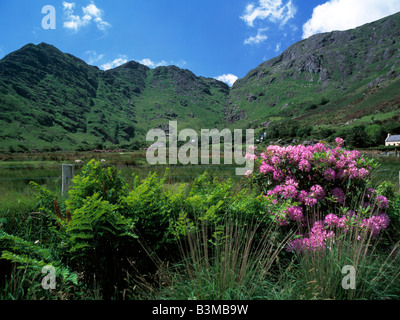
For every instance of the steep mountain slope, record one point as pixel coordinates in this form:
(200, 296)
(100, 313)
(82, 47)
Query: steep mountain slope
(50, 99)
(328, 79)
(53, 100)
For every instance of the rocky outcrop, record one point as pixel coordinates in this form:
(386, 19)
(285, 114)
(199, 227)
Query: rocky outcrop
(324, 65)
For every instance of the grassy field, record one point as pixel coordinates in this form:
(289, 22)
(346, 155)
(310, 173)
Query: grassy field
(16, 170)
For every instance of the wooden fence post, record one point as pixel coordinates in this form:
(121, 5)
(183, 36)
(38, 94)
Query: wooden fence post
(67, 175)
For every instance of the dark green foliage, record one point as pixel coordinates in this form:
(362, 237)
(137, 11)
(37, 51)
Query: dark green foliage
(394, 215)
(324, 133)
(305, 131)
(146, 203)
(105, 219)
(323, 101)
(286, 129)
(357, 137)
(29, 255)
(95, 178)
(85, 232)
(94, 226)
(31, 258)
(367, 135)
(162, 216)
(53, 214)
(99, 237)
(99, 240)
(376, 134)
(45, 198)
(386, 189)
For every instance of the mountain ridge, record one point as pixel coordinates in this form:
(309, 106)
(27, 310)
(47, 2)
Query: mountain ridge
(49, 98)
(334, 61)
(321, 86)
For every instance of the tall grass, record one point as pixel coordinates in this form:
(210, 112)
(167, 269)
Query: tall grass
(388, 170)
(320, 274)
(222, 262)
(19, 286)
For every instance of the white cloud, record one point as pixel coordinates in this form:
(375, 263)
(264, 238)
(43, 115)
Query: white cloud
(92, 10)
(278, 47)
(90, 14)
(68, 6)
(181, 63)
(273, 10)
(101, 24)
(146, 62)
(229, 79)
(74, 21)
(152, 64)
(115, 63)
(260, 37)
(93, 57)
(347, 14)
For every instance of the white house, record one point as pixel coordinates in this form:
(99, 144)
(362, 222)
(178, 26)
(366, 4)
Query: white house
(392, 140)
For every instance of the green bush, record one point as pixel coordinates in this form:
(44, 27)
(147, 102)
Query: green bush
(214, 201)
(95, 178)
(145, 203)
(99, 240)
(31, 258)
(96, 237)
(162, 215)
(394, 215)
(386, 189)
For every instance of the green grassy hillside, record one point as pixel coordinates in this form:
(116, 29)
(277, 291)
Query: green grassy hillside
(339, 83)
(332, 80)
(50, 100)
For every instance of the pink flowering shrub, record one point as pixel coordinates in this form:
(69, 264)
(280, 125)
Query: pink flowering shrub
(323, 232)
(317, 179)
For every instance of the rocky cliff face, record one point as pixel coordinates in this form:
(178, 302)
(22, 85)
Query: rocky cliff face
(329, 67)
(49, 98)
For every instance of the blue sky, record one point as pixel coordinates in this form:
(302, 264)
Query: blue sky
(223, 39)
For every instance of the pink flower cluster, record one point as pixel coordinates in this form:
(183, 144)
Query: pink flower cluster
(322, 233)
(376, 223)
(309, 174)
(305, 176)
(382, 202)
(316, 239)
(335, 163)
